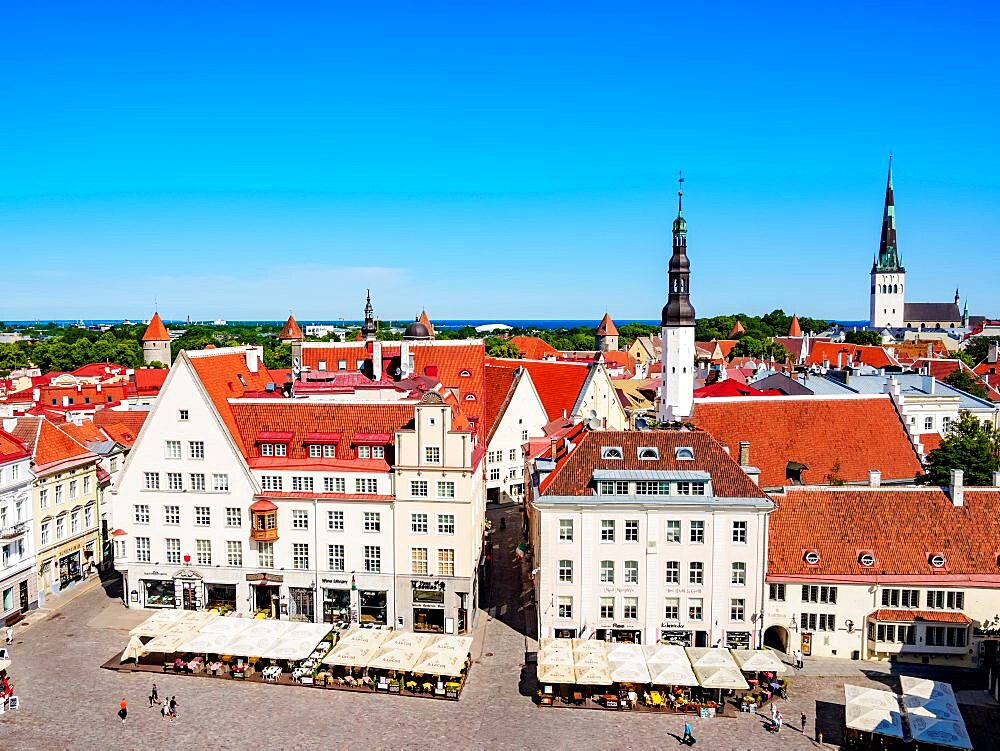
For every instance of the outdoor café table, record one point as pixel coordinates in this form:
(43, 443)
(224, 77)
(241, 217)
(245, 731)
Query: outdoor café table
(610, 701)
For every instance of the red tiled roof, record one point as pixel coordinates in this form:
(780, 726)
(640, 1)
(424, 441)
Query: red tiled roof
(725, 345)
(794, 329)
(275, 436)
(54, 446)
(558, 383)
(840, 437)
(427, 322)
(11, 448)
(318, 438)
(731, 387)
(574, 472)
(291, 330)
(156, 331)
(263, 505)
(148, 381)
(133, 419)
(607, 327)
(900, 527)
(498, 382)
(620, 359)
(451, 361)
(909, 616)
(929, 441)
(533, 348)
(332, 354)
(84, 433)
(98, 369)
(839, 354)
(224, 375)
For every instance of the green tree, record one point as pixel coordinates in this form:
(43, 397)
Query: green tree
(765, 349)
(632, 331)
(964, 381)
(863, 337)
(971, 446)
(498, 347)
(979, 347)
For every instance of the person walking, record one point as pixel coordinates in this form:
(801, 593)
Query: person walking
(173, 707)
(154, 697)
(9, 634)
(164, 710)
(687, 733)
(123, 710)
(803, 721)
(798, 659)
(774, 711)
(777, 722)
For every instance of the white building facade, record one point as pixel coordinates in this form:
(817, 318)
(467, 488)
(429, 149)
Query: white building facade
(18, 583)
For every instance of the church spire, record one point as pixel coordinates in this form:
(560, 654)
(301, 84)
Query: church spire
(887, 259)
(678, 310)
(369, 328)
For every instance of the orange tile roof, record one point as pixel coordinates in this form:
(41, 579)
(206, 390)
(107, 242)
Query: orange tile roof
(533, 348)
(156, 331)
(558, 383)
(737, 328)
(332, 354)
(725, 345)
(607, 327)
(224, 375)
(427, 322)
(11, 448)
(929, 441)
(54, 446)
(794, 329)
(148, 381)
(131, 419)
(909, 616)
(451, 361)
(838, 354)
(840, 437)
(84, 433)
(574, 472)
(900, 527)
(121, 434)
(498, 384)
(291, 330)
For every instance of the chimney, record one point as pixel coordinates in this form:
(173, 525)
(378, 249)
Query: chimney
(994, 353)
(957, 490)
(376, 350)
(874, 478)
(930, 350)
(9, 423)
(252, 355)
(553, 448)
(996, 479)
(744, 453)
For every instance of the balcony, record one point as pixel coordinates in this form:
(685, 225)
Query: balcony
(263, 535)
(9, 533)
(264, 521)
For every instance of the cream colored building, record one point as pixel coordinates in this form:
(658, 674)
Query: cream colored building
(518, 416)
(18, 581)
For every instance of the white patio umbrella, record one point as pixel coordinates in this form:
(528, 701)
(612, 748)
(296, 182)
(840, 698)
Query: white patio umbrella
(872, 711)
(758, 661)
(555, 673)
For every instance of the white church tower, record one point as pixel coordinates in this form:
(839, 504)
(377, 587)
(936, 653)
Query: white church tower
(888, 274)
(677, 391)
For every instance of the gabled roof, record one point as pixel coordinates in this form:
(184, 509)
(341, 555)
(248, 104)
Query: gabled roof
(607, 327)
(451, 361)
(291, 330)
(224, 375)
(426, 321)
(737, 328)
(50, 445)
(131, 419)
(499, 383)
(574, 473)
(558, 383)
(931, 312)
(839, 354)
(731, 387)
(900, 527)
(794, 329)
(842, 438)
(84, 433)
(11, 448)
(147, 381)
(533, 348)
(156, 331)
(99, 369)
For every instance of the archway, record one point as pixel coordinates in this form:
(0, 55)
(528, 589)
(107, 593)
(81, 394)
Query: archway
(776, 637)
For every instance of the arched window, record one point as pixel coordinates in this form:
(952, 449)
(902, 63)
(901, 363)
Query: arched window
(682, 285)
(895, 288)
(470, 397)
(649, 452)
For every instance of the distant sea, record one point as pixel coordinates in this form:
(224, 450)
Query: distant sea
(537, 323)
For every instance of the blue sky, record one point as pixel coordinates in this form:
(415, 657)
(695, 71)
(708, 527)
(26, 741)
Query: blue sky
(516, 160)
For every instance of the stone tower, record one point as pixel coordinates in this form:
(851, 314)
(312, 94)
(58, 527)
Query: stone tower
(292, 333)
(156, 342)
(606, 336)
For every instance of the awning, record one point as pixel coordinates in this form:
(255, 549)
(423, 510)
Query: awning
(440, 663)
(263, 505)
(933, 713)
(884, 615)
(872, 711)
(323, 439)
(593, 676)
(133, 651)
(715, 668)
(370, 439)
(356, 648)
(627, 663)
(758, 660)
(548, 673)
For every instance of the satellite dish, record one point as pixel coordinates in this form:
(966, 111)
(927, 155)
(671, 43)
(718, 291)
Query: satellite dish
(594, 423)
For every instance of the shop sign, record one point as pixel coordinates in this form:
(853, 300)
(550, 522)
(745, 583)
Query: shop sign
(620, 590)
(266, 578)
(187, 573)
(428, 586)
(683, 590)
(334, 581)
(155, 573)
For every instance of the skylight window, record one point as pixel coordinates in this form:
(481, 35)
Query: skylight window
(867, 560)
(465, 374)
(938, 560)
(811, 557)
(649, 452)
(684, 453)
(612, 452)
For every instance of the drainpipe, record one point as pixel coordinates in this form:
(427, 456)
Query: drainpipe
(317, 597)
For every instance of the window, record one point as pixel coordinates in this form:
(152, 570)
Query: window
(946, 636)
(334, 485)
(300, 519)
(928, 423)
(776, 592)
(739, 532)
(673, 530)
(327, 451)
(631, 530)
(565, 570)
(446, 524)
(418, 488)
(72, 489)
(203, 552)
(565, 607)
(827, 622)
(695, 608)
(173, 449)
(698, 488)
(631, 572)
(198, 482)
(45, 534)
(88, 517)
(607, 530)
(494, 473)
(182, 415)
(372, 521)
(265, 554)
(173, 548)
(673, 572)
(302, 484)
(373, 559)
(445, 489)
(648, 453)
(418, 560)
(174, 481)
(630, 608)
(142, 550)
(141, 513)
(74, 522)
(196, 449)
(378, 452)
(152, 483)
(672, 609)
(738, 575)
(945, 424)
(270, 482)
(608, 608)
(513, 455)
(446, 562)
(432, 454)
(86, 481)
(43, 498)
(220, 483)
(684, 453)
(737, 607)
(365, 485)
(696, 572)
(814, 593)
(418, 524)
(608, 572)
(59, 491)
(364, 452)
(650, 487)
(202, 516)
(234, 517)
(335, 521)
(336, 556)
(940, 599)
(171, 514)
(234, 552)
(60, 527)
(697, 531)
(566, 530)
(300, 555)
(611, 452)
(524, 436)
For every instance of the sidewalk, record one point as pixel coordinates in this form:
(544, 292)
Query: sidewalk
(55, 602)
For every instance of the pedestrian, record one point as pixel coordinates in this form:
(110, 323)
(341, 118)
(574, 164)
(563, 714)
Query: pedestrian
(9, 634)
(777, 722)
(154, 697)
(164, 710)
(774, 711)
(173, 707)
(687, 733)
(803, 721)
(123, 710)
(798, 659)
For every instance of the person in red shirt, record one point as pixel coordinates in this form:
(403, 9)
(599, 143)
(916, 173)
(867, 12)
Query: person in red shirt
(123, 710)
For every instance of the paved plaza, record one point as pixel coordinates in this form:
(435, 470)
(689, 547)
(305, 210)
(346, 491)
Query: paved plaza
(68, 701)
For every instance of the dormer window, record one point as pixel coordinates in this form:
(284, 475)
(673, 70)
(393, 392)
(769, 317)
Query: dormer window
(273, 449)
(937, 560)
(612, 452)
(684, 454)
(274, 442)
(866, 559)
(465, 374)
(811, 557)
(470, 397)
(649, 453)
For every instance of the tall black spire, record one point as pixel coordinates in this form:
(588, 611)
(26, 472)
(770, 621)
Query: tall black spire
(678, 310)
(369, 328)
(887, 259)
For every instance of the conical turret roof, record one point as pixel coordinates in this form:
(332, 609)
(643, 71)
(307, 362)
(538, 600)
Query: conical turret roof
(607, 327)
(291, 330)
(156, 331)
(794, 329)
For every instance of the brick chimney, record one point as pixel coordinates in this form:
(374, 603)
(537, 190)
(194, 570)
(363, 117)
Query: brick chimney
(957, 489)
(874, 478)
(994, 353)
(744, 453)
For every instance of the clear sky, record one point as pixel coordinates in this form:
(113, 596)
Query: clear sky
(502, 160)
